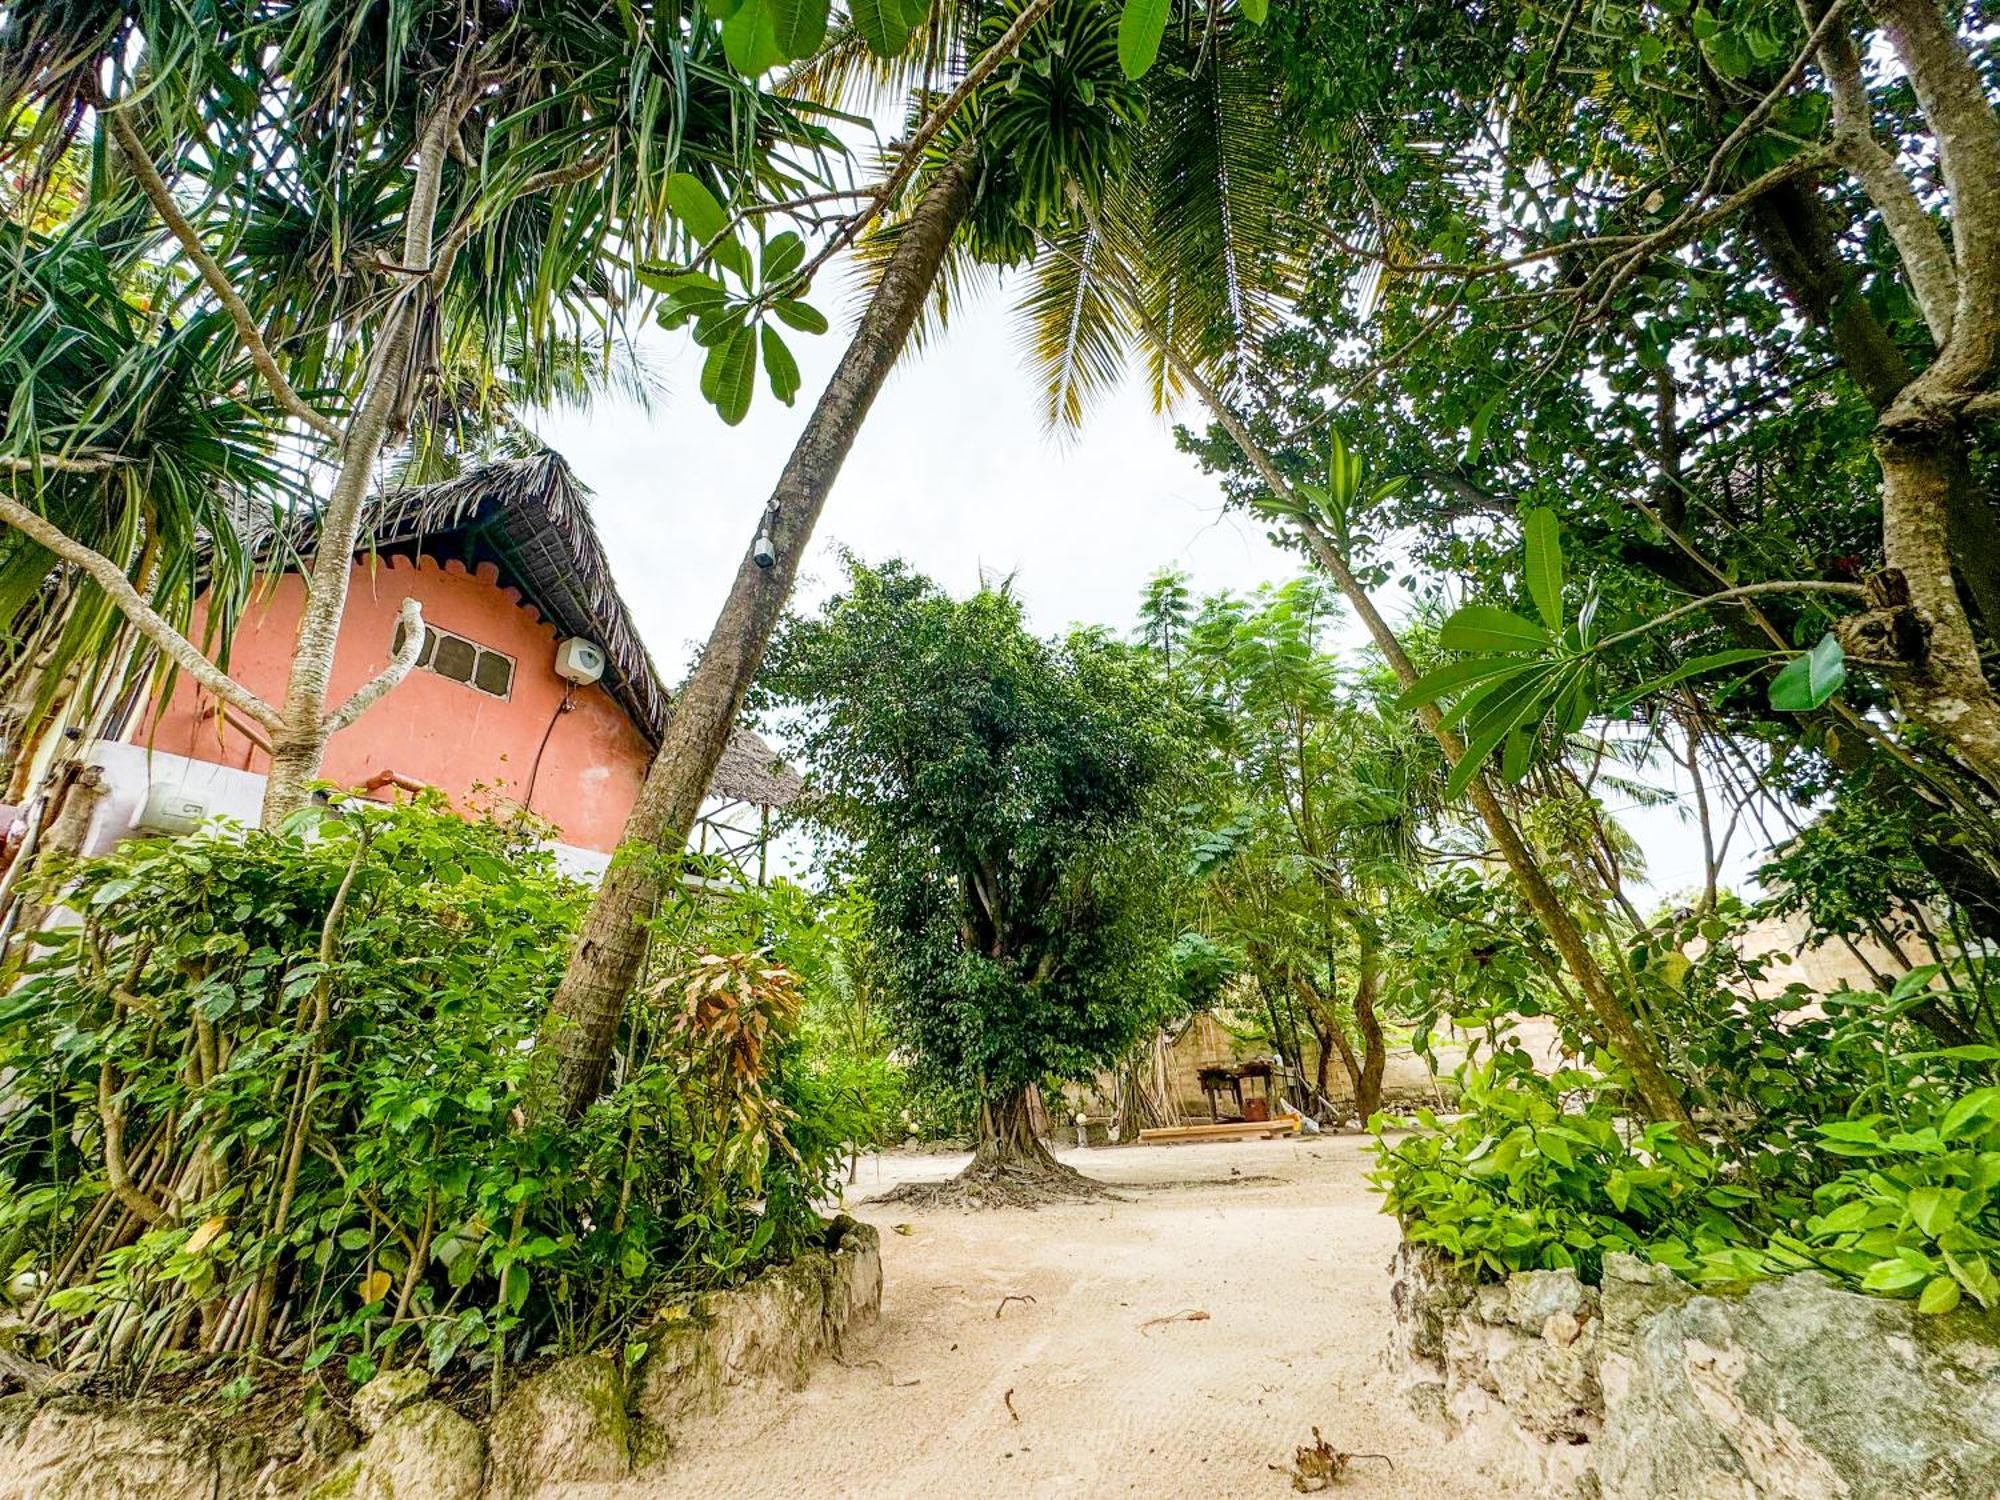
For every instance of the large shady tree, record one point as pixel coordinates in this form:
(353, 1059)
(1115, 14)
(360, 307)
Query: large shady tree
(1011, 806)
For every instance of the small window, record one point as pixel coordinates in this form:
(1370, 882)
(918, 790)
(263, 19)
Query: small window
(454, 657)
(493, 674)
(464, 661)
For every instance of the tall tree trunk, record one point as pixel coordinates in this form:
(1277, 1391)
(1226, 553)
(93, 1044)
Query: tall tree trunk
(1657, 1093)
(1374, 1055)
(1917, 441)
(1007, 1140)
(299, 747)
(589, 1002)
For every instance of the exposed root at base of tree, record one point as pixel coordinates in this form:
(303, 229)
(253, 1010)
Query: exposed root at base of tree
(1002, 1184)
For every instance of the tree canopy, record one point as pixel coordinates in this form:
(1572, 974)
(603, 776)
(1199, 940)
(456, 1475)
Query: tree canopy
(1009, 805)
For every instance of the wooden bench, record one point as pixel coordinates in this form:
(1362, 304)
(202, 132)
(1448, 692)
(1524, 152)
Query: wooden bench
(1240, 1130)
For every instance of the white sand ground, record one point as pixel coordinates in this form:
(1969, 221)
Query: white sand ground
(1280, 1242)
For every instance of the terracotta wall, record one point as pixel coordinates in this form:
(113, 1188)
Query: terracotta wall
(478, 749)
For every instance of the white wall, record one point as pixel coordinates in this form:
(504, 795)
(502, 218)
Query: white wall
(130, 770)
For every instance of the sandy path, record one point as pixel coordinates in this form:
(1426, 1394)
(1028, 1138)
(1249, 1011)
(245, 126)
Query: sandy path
(1280, 1243)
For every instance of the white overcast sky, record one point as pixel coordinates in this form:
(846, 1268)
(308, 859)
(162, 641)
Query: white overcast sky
(953, 472)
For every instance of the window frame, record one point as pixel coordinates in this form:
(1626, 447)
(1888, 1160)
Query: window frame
(427, 660)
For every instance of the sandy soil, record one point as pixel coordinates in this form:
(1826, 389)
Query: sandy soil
(1279, 1242)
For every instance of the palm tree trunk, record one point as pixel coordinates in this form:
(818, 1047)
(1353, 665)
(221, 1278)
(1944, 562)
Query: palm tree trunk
(589, 1002)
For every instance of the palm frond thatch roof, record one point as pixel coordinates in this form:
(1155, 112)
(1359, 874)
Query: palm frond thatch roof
(531, 518)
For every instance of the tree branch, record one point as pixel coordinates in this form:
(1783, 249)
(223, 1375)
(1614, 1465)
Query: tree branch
(108, 576)
(212, 273)
(1953, 98)
(85, 462)
(410, 622)
(1741, 591)
(1933, 278)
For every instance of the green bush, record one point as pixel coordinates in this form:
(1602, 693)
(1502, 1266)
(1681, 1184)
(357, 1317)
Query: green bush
(1541, 1172)
(1524, 1181)
(276, 1092)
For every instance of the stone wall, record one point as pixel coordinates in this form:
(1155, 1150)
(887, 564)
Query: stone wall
(578, 1420)
(1646, 1388)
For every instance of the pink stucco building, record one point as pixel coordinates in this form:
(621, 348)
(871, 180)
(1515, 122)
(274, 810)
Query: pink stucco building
(508, 567)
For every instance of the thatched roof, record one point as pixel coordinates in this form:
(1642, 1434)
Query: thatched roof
(530, 517)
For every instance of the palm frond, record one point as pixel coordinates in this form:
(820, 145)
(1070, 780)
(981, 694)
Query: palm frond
(1071, 331)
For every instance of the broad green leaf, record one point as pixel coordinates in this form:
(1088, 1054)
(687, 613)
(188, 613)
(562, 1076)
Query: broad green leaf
(1141, 25)
(1484, 627)
(1893, 1276)
(729, 375)
(1970, 1052)
(783, 254)
(1969, 1113)
(1498, 720)
(779, 366)
(1976, 1276)
(1810, 678)
(1254, 11)
(1940, 1297)
(702, 215)
(1472, 704)
(885, 25)
(1544, 565)
(680, 284)
(798, 26)
(800, 315)
(1931, 1210)
(1475, 433)
(1435, 683)
(699, 211)
(750, 38)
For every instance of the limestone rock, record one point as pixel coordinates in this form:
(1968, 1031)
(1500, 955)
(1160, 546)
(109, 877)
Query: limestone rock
(771, 1328)
(1534, 1296)
(387, 1394)
(561, 1425)
(1793, 1390)
(73, 1450)
(1649, 1389)
(680, 1378)
(854, 1293)
(426, 1451)
(1426, 1294)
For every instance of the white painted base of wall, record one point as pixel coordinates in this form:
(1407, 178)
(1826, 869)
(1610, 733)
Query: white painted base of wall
(131, 771)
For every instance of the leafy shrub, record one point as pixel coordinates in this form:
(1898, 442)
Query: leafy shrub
(1919, 1217)
(1521, 1181)
(1896, 1196)
(276, 1092)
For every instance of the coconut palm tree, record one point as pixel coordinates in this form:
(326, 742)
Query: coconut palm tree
(1046, 153)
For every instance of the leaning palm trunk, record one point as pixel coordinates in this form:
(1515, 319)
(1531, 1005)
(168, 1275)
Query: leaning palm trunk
(1633, 1047)
(588, 1004)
